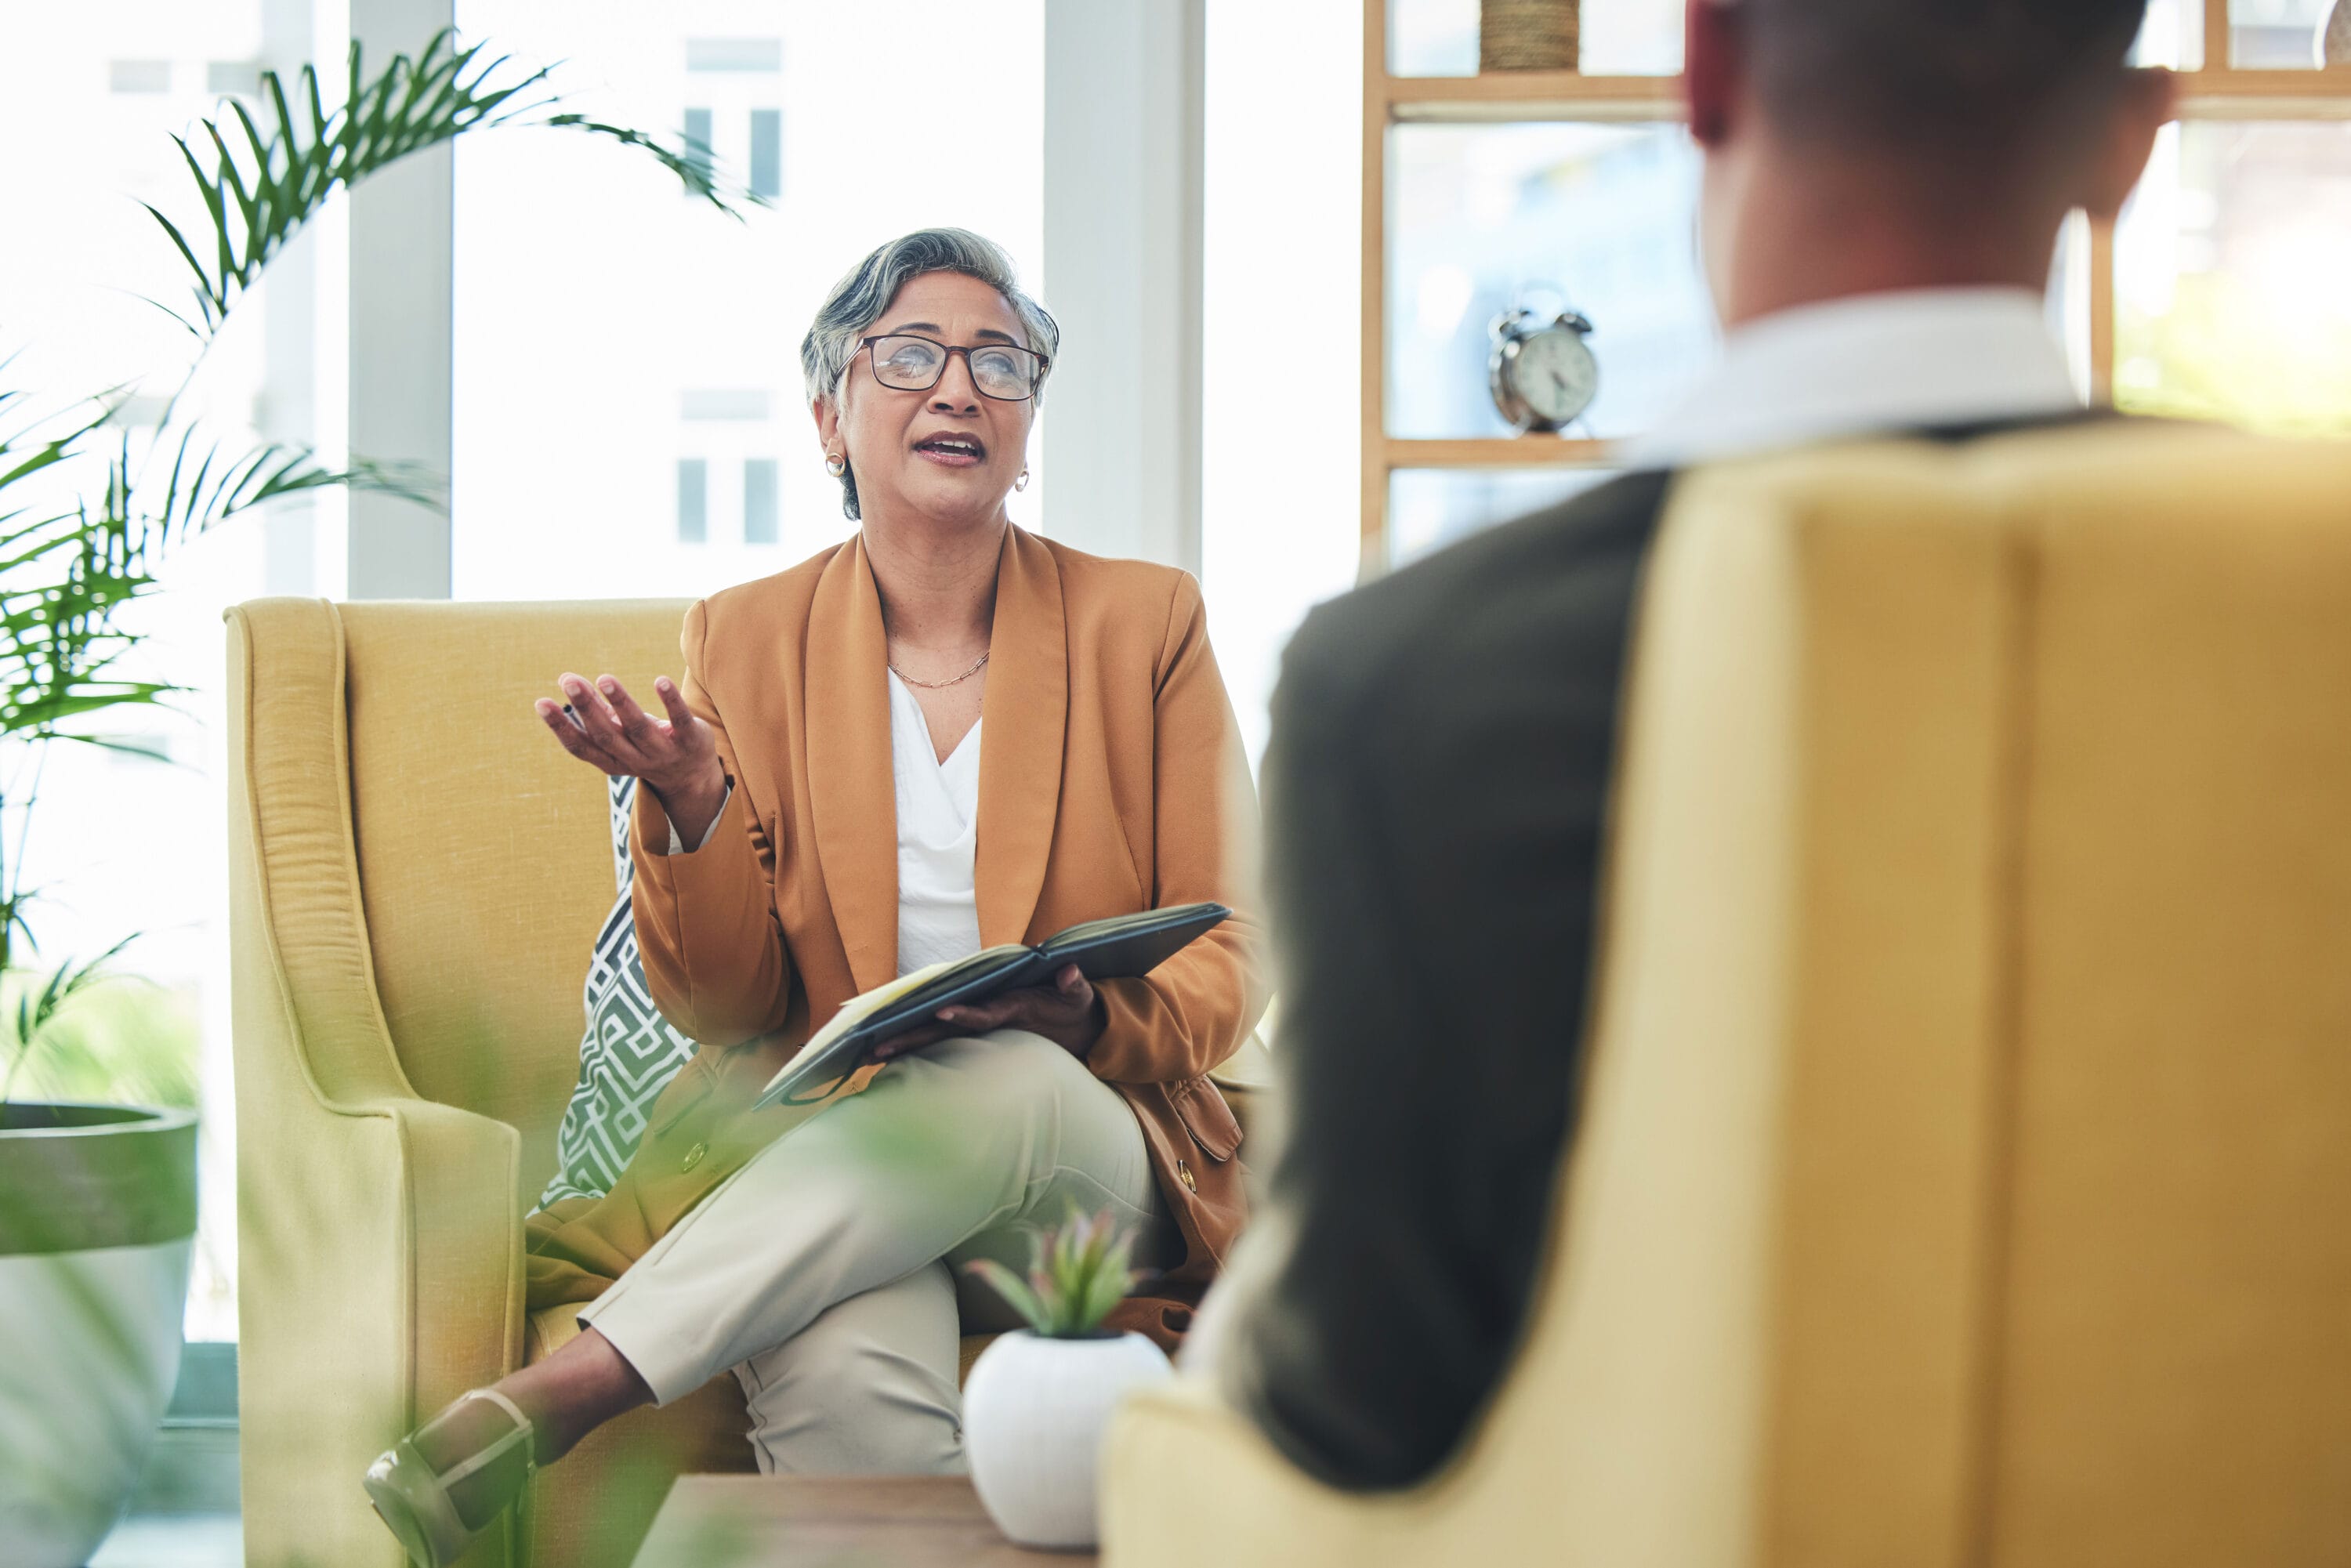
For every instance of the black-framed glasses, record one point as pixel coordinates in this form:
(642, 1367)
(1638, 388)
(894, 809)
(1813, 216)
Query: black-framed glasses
(908, 363)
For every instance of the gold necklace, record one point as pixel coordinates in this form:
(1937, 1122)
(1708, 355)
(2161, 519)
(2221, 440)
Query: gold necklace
(935, 685)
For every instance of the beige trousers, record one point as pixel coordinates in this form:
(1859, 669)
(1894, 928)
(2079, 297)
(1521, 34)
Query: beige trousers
(827, 1272)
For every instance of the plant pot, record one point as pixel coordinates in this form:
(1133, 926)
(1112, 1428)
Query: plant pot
(98, 1222)
(1034, 1411)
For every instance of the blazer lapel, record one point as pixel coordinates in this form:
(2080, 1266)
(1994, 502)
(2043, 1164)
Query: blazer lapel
(1025, 708)
(852, 795)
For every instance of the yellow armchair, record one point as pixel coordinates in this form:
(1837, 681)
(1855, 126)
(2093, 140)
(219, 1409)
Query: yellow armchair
(1964, 1175)
(417, 874)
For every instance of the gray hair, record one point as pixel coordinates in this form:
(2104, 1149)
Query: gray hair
(857, 302)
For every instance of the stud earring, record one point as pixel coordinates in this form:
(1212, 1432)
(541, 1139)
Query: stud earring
(1022, 482)
(835, 463)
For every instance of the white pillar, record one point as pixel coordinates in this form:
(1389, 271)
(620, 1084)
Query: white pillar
(289, 302)
(401, 263)
(1123, 162)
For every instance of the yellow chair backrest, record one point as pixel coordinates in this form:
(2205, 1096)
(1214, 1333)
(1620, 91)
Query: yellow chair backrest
(1966, 1171)
(484, 859)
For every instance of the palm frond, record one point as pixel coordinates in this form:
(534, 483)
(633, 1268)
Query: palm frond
(259, 182)
(693, 168)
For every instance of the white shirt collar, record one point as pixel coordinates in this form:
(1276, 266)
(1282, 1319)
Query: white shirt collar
(1872, 362)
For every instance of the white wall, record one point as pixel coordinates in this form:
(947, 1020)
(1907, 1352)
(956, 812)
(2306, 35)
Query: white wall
(1122, 234)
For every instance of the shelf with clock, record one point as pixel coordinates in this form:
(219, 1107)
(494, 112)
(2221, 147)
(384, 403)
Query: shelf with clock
(1531, 294)
(1496, 203)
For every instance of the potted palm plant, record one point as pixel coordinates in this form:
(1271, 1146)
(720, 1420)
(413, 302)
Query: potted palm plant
(1038, 1400)
(97, 1209)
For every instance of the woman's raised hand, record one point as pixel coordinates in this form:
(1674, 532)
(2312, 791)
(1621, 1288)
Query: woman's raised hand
(676, 757)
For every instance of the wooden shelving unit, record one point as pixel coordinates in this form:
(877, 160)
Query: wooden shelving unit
(2217, 92)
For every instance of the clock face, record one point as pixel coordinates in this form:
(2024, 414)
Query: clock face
(1555, 374)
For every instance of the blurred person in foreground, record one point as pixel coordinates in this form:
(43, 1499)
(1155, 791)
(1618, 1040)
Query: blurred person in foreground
(1884, 185)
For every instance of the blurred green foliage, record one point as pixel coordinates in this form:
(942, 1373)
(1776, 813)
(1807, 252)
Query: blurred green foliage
(2222, 352)
(119, 1041)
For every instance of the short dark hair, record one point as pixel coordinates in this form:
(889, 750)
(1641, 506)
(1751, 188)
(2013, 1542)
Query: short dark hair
(1944, 76)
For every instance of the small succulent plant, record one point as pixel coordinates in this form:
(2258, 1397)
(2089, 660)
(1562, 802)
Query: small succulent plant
(1077, 1273)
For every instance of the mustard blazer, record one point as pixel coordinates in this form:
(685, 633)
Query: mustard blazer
(1111, 779)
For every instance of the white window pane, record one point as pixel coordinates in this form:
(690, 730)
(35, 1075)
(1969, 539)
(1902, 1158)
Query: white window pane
(1599, 218)
(1429, 509)
(2229, 277)
(767, 153)
(2276, 34)
(734, 54)
(759, 501)
(140, 76)
(606, 327)
(2171, 36)
(693, 501)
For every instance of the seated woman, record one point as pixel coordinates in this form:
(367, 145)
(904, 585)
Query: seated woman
(820, 811)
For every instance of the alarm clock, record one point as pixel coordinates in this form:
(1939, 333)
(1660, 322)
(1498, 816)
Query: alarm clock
(1542, 374)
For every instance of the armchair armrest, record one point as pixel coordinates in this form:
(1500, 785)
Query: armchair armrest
(1176, 1443)
(379, 1234)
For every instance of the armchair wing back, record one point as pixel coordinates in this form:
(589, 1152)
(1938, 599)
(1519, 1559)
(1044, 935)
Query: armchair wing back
(417, 874)
(1963, 1177)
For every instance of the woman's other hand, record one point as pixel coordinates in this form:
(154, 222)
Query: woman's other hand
(1066, 1012)
(676, 757)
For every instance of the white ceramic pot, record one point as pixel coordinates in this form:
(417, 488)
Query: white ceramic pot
(1034, 1411)
(98, 1217)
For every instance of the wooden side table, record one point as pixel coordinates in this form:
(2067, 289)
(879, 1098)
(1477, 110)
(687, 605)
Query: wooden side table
(821, 1521)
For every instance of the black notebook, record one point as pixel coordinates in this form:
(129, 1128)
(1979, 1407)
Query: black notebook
(1121, 947)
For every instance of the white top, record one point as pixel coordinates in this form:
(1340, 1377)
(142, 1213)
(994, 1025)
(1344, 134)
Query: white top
(938, 822)
(938, 818)
(1870, 363)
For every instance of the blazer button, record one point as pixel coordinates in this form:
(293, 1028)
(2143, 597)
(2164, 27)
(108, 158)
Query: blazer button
(693, 1157)
(1184, 1173)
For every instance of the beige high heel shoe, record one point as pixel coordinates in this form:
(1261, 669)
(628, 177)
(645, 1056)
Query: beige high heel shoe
(413, 1499)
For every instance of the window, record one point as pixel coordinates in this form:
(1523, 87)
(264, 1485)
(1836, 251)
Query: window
(759, 501)
(2231, 300)
(699, 144)
(609, 332)
(1597, 218)
(767, 153)
(693, 501)
(1429, 508)
(2218, 294)
(143, 77)
(734, 54)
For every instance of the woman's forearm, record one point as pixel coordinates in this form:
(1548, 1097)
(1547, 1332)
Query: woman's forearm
(693, 804)
(707, 929)
(706, 933)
